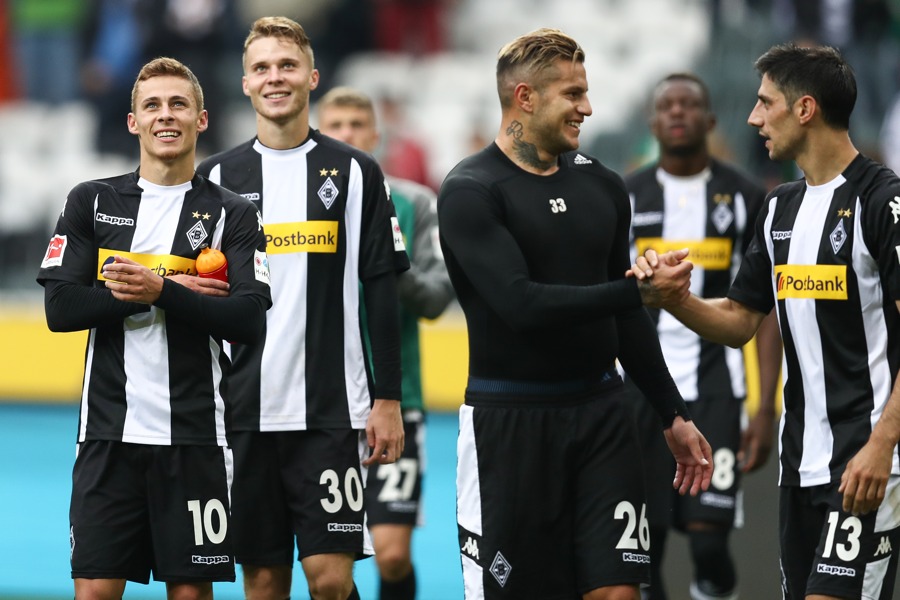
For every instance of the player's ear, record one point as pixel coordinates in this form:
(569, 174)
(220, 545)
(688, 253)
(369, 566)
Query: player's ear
(132, 124)
(523, 97)
(203, 121)
(805, 108)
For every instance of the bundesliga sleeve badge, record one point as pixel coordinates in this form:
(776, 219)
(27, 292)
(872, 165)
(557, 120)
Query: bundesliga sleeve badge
(55, 251)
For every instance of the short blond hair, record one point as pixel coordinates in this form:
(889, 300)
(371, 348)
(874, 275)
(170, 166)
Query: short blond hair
(344, 97)
(159, 67)
(283, 28)
(531, 58)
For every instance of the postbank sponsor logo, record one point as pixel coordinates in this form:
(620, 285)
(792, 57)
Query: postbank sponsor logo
(818, 282)
(713, 254)
(161, 264)
(305, 236)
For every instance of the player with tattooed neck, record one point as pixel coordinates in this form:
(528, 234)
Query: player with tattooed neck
(535, 235)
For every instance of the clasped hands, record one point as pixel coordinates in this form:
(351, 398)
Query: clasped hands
(664, 280)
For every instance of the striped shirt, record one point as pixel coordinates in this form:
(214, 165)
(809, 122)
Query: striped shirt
(711, 213)
(155, 377)
(329, 223)
(827, 257)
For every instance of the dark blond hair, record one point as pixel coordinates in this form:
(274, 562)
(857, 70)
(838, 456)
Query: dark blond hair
(531, 58)
(344, 97)
(159, 67)
(283, 28)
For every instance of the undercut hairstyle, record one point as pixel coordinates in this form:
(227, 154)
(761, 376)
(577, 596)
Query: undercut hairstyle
(683, 76)
(282, 28)
(820, 72)
(532, 58)
(162, 66)
(346, 97)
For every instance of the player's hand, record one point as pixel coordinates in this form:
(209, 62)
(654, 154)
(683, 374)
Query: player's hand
(693, 457)
(645, 265)
(384, 432)
(131, 281)
(864, 481)
(756, 442)
(203, 285)
(669, 280)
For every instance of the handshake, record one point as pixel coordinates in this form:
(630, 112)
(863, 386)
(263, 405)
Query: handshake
(664, 280)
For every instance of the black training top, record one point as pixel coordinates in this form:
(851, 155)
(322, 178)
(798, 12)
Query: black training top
(538, 264)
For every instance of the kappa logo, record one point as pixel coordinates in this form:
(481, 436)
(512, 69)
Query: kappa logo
(835, 570)
(210, 560)
(471, 548)
(344, 527)
(646, 218)
(104, 218)
(71, 542)
(884, 546)
(643, 559)
(251, 196)
(581, 160)
(895, 208)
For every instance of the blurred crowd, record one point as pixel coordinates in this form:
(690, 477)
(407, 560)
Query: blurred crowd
(85, 53)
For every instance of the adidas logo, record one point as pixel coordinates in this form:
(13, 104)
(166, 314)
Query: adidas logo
(580, 160)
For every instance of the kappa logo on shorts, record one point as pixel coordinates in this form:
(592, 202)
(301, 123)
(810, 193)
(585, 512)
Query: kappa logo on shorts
(636, 558)
(210, 560)
(835, 570)
(884, 546)
(344, 527)
(716, 500)
(471, 548)
(501, 569)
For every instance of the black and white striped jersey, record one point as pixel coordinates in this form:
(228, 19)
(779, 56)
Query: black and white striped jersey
(329, 223)
(156, 377)
(712, 213)
(827, 257)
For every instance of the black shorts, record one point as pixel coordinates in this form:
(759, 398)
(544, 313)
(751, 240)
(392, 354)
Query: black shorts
(394, 491)
(550, 498)
(138, 508)
(827, 551)
(303, 486)
(719, 419)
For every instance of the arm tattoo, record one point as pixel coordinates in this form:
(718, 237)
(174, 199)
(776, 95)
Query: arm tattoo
(525, 151)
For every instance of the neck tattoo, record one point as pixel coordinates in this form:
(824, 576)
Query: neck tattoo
(526, 152)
